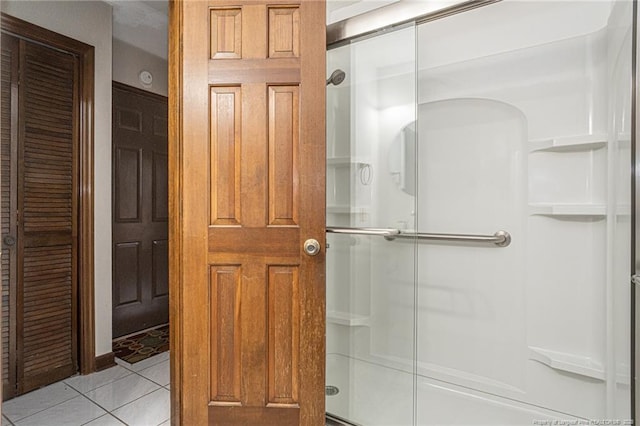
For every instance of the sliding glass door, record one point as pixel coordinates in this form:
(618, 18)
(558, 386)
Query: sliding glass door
(371, 184)
(479, 218)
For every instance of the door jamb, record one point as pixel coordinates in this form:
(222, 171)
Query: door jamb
(174, 150)
(85, 55)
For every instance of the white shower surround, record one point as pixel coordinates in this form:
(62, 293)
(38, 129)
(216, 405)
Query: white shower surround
(524, 125)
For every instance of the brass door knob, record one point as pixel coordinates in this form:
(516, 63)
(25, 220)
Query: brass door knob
(311, 247)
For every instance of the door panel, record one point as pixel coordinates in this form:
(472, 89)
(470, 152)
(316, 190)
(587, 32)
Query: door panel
(247, 170)
(140, 296)
(160, 212)
(127, 188)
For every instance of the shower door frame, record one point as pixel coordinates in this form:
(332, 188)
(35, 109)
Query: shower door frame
(635, 217)
(397, 14)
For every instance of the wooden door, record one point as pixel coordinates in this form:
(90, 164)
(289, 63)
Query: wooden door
(140, 211)
(39, 213)
(247, 189)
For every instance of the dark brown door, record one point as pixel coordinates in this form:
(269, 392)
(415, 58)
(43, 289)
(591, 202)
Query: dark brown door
(39, 214)
(248, 178)
(140, 247)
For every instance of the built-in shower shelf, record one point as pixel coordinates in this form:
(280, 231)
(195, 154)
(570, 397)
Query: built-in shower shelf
(576, 364)
(348, 319)
(339, 209)
(344, 209)
(623, 374)
(343, 161)
(569, 144)
(624, 138)
(567, 210)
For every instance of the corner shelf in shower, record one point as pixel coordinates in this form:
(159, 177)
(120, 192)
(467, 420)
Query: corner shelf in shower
(624, 139)
(568, 210)
(344, 209)
(569, 143)
(576, 364)
(344, 161)
(348, 319)
(577, 210)
(339, 209)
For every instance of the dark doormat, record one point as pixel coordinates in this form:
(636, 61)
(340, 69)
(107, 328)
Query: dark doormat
(143, 345)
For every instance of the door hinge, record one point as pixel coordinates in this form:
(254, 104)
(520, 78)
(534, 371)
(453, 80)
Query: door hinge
(635, 279)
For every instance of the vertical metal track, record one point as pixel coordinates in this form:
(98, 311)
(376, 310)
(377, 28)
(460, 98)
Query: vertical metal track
(635, 241)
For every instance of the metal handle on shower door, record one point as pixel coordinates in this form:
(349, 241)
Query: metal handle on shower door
(500, 238)
(388, 233)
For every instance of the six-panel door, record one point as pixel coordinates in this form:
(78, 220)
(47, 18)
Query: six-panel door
(247, 176)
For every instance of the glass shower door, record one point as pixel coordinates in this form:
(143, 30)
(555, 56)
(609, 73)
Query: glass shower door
(514, 116)
(371, 112)
(523, 122)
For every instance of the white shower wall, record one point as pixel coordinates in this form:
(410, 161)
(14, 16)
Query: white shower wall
(522, 113)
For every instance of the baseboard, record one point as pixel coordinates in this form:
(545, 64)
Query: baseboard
(105, 361)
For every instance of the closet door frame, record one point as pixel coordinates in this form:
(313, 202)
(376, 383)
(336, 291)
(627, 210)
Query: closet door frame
(85, 54)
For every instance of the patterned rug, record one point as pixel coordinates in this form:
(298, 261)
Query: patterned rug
(143, 345)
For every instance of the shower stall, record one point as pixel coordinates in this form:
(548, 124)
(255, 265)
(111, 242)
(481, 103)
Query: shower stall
(479, 215)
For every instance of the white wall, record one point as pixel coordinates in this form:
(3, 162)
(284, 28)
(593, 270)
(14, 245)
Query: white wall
(129, 60)
(91, 23)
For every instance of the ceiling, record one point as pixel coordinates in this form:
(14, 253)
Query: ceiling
(144, 23)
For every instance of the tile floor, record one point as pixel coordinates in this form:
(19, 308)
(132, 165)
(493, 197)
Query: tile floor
(127, 394)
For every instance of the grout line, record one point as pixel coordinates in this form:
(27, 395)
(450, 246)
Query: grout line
(109, 415)
(96, 404)
(152, 381)
(107, 411)
(45, 409)
(98, 387)
(154, 365)
(108, 383)
(49, 408)
(155, 390)
(164, 421)
(126, 403)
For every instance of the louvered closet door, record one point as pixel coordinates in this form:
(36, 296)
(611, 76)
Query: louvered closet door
(47, 230)
(44, 334)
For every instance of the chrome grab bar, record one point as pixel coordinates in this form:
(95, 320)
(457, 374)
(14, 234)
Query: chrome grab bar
(500, 238)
